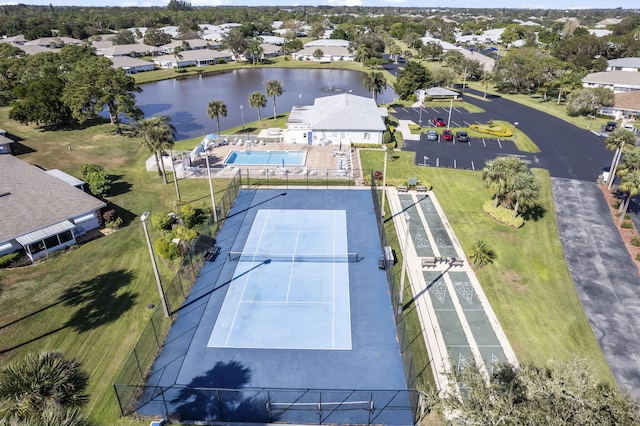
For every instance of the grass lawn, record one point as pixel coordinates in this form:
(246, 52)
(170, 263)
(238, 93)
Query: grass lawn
(529, 286)
(91, 302)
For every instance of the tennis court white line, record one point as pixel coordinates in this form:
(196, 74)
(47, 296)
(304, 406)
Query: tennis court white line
(333, 288)
(295, 250)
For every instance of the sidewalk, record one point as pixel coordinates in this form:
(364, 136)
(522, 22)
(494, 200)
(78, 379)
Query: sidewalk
(456, 318)
(403, 126)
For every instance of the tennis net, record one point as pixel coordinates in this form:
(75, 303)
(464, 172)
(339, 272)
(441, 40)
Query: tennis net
(266, 257)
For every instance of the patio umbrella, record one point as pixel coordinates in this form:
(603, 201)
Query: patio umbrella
(212, 136)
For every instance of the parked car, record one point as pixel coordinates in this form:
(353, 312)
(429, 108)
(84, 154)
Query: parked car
(432, 135)
(438, 122)
(610, 126)
(447, 135)
(462, 136)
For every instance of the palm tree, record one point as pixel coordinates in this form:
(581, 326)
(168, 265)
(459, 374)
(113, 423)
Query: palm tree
(630, 184)
(156, 134)
(375, 82)
(177, 54)
(481, 254)
(39, 383)
(524, 190)
(274, 88)
(216, 109)
(616, 141)
(497, 174)
(486, 79)
(257, 100)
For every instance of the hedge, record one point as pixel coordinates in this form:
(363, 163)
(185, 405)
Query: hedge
(502, 215)
(492, 129)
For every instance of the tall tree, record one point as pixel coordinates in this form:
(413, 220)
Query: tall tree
(618, 141)
(375, 82)
(274, 89)
(216, 109)
(94, 85)
(498, 173)
(236, 42)
(257, 100)
(156, 134)
(523, 190)
(41, 383)
(156, 37)
(562, 394)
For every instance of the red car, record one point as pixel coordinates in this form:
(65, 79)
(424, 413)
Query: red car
(439, 122)
(447, 135)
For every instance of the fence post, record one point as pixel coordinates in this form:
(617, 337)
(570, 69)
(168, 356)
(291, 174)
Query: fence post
(115, 389)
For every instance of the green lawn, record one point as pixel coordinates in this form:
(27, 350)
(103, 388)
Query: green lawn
(91, 302)
(529, 286)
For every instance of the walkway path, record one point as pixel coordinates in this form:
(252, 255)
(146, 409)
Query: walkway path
(457, 321)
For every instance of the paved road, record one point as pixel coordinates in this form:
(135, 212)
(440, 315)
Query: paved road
(603, 273)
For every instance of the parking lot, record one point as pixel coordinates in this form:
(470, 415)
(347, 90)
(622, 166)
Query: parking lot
(566, 151)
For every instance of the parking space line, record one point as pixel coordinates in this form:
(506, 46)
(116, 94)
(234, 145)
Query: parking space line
(499, 143)
(466, 122)
(472, 165)
(454, 164)
(484, 143)
(457, 110)
(438, 162)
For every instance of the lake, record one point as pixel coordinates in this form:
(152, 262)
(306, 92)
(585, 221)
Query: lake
(185, 100)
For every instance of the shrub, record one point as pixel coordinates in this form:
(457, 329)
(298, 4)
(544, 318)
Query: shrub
(187, 214)
(109, 216)
(166, 249)
(8, 259)
(616, 204)
(387, 137)
(162, 221)
(492, 129)
(114, 224)
(635, 241)
(184, 233)
(502, 215)
(627, 224)
(97, 179)
(627, 216)
(638, 257)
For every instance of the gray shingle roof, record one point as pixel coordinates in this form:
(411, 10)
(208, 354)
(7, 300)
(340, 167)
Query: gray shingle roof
(624, 63)
(613, 77)
(346, 112)
(36, 200)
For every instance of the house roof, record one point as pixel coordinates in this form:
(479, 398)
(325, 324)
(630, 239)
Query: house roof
(624, 63)
(36, 200)
(445, 44)
(48, 41)
(347, 112)
(440, 91)
(129, 62)
(327, 43)
(326, 51)
(195, 55)
(126, 49)
(624, 78)
(629, 101)
(194, 43)
(32, 49)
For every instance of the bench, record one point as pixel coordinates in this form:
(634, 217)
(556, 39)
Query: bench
(403, 188)
(211, 254)
(428, 261)
(457, 262)
(421, 188)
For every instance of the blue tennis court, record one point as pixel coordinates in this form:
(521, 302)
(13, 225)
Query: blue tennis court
(289, 275)
(292, 322)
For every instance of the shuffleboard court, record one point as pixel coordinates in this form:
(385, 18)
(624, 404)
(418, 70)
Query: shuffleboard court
(280, 300)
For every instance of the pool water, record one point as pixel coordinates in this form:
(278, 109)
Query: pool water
(266, 158)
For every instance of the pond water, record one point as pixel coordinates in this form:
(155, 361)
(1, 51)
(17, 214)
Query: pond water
(186, 100)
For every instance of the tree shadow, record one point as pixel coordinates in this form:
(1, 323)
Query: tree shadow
(99, 300)
(118, 187)
(534, 213)
(217, 395)
(98, 303)
(96, 121)
(20, 149)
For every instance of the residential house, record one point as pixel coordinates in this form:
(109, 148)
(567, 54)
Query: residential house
(618, 81)
(196, 58)
(193, 44)
(132, 65)
(329, 54)
(133, 50)
(337, 120)
(53, 42)
(624, 64)
(41, 213)
(626, 106)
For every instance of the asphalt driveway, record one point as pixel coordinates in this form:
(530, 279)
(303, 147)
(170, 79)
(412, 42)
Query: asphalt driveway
(605, 276)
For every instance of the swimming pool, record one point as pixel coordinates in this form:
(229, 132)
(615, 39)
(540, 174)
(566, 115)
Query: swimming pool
(266, 158)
